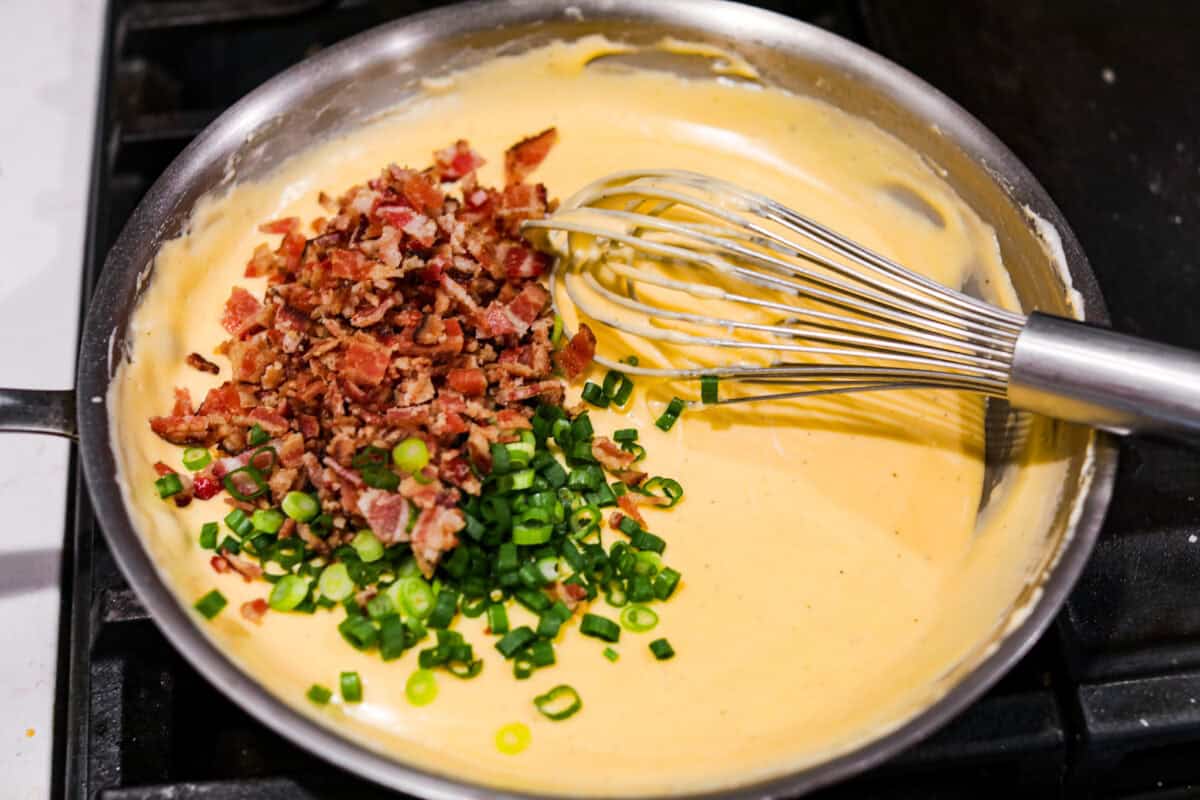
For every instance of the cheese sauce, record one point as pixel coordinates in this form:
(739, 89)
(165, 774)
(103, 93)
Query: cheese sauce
(835, 564)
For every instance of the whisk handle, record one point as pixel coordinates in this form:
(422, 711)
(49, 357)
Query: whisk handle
(1081, 373)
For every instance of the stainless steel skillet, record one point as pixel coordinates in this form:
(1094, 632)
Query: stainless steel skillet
(350, 83)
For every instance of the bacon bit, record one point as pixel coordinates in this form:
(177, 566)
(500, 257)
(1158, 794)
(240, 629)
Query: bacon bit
(268, 420)
(262, 262)
(572, 594)
(433, 535)
(523, 157)
(522, 262)
(386, 514)
(197, 361)
(254, 610)
(631, 477)
(611, 456)
(372, 316)
(291, 450)
(510, 419)
(292, 249)
(285, 225)
(206, 487)
(247, 569)
(365, 361)
(422, 195)
(183, 403)
(457, 472)
(614, 520)
(575, 357)
(309, 426)
(349, 476)
(241, 311)
(223, 399)
(162, 469)
(514, 317)
(349, 264)
(413, 223)
(456, 161)
(627, 504)
(311, 540)
(287, 529)
(470, 382)
(219, 564)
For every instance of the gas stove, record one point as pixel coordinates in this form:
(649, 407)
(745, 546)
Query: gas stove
(1097, 97)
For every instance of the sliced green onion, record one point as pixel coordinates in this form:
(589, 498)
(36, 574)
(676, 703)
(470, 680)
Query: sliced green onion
(670, 415)
(708, 388)
(559, 703)
(552, 620)
(351, 686)
(520, 452)
(288, 592)
(647, 563)
(444, 609)
(516, 481)
(638, 619)
(229, 544)
(369, 456)
(358, 631)
(630, 360)
(665, 583)
(475, 607)
(416, 596)
(368, 546)
(670, 488)
(617, 387)
(515, 640)
(662, 649)
(593, 394)
(168, 485)
(625, 435)
(335, 582)
(528, 533)
(497, 618)
(267, 520)
(380, 606)
(513, 738)
(380, 477)
(585, 520)
(411, 455)
(644, 540)
(196, 458)
(300, 506)
(208, 535)
(319, 694)
(239, 523)
(540, 654)
(628, 526)
(255, 478)
(421, 687)
(393, 637)
(600, 628)
(611, 654)
(257, 436)
(211, 604)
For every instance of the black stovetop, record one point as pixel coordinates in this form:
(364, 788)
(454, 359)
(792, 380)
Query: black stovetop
(1097, 97)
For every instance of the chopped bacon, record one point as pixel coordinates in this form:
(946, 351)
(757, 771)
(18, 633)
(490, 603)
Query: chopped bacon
(456, 161)
(610, 456)
(630, 477)
(422, 195)
(197, 361)
(434, 534)
(572, 594)
(627, 504)
(247, 569)
(578, 353)
(206, 487)
(183, 403)
(241, 310)
(349, 264)
(523, 157)
(470, 382)
(219, 564)
(411, 311)
(514, 317)
(365, 361)
(223, 399)
(386, 513)
(254, 610)
(285, 225)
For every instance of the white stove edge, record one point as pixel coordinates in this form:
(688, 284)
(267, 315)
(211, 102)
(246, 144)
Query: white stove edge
(48, 88)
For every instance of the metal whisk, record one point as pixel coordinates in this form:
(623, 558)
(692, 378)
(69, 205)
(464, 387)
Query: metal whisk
(689, 261)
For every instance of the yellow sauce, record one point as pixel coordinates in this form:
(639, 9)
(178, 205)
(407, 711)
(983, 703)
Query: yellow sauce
(835, 568)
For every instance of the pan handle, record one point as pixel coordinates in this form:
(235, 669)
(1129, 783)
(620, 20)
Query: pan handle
(49, 411)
